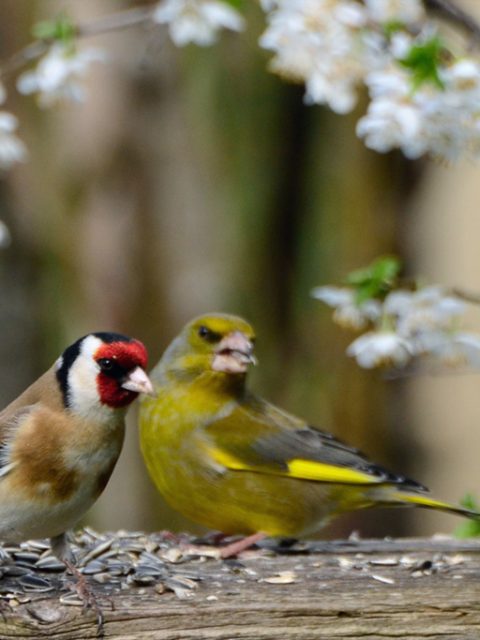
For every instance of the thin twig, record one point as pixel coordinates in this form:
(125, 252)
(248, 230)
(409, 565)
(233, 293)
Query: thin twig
(113, 22)
(468, 296)
(116, 21)
(455, 14)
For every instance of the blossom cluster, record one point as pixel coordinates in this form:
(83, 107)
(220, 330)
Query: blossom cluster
(424, 96)
(404, 326)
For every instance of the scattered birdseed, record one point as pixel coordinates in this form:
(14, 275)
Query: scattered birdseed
(155, 564)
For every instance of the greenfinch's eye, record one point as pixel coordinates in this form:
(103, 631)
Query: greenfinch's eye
(209, 336)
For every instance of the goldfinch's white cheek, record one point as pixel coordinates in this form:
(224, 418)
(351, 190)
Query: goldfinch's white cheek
(83, 394)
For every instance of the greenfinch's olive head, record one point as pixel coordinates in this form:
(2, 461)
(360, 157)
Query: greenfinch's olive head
(216, 342)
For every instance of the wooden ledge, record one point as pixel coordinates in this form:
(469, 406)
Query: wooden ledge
(369, 589)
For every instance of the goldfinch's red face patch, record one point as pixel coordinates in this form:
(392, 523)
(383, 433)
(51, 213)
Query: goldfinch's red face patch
(122, 372)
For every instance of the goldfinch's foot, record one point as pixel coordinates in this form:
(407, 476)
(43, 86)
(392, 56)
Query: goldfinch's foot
(86, 595)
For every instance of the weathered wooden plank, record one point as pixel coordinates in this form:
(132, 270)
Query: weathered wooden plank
(405, 589)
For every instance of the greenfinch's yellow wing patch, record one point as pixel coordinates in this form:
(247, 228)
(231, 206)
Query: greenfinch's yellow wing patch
(300, 469)
(257, 437)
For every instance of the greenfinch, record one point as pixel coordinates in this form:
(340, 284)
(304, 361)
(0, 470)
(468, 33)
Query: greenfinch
(231, 461)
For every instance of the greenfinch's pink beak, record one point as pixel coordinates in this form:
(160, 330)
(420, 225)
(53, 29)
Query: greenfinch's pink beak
(234, 354)
(138, 381)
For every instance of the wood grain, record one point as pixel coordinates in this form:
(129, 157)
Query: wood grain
(404, 589)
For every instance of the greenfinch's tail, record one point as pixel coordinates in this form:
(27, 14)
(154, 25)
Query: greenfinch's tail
(430, 503)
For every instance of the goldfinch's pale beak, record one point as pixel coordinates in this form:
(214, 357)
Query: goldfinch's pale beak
(138, 381)
(234, 354)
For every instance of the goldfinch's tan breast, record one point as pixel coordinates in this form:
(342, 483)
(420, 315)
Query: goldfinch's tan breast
(55, 455)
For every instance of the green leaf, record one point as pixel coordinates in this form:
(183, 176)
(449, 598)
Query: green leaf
(376, 280)
(469, 528)
(236, 4)
(60, 29)
(423, 61)
(392, 27)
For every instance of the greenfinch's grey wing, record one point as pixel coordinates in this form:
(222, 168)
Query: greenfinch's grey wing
(256, 436)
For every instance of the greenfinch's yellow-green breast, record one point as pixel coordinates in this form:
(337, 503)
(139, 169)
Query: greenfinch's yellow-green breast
(233, 462)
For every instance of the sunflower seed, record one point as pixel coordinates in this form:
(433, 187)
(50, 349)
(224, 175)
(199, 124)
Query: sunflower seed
(37, 545)
(130, 545)
(148, 569)
(386, 562)
(173, 555)
(72, 600)
(283, 577)
(26, 556)
(92, 533)
(383, 579)
(117, 568)
(102, 578)
(96, 551)
(32, 582)
(151, 558)
(13, 570)
(180, 582)
(144, 579)
(95, 566)
(50, 563)
(112, 553)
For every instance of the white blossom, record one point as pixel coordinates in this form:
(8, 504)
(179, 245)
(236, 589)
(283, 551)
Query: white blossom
(348, 313)
(58, 73)
(318, 42)
(429, 309)
(380, 348)
(406, 11)
(12, 149)
(456, 349)
(197, 21)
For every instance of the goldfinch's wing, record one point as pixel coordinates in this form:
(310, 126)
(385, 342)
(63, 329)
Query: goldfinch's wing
(44, 391)
(257, 436)
(9, 424)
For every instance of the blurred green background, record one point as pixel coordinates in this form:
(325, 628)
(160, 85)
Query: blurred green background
(194, 180)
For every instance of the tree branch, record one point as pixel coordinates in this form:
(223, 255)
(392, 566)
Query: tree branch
(113, 22)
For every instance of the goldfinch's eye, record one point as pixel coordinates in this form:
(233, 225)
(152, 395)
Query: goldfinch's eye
(105, 364)
(209, 336)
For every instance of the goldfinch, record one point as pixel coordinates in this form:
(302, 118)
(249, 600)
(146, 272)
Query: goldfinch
(231, 461)
(60, 439)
